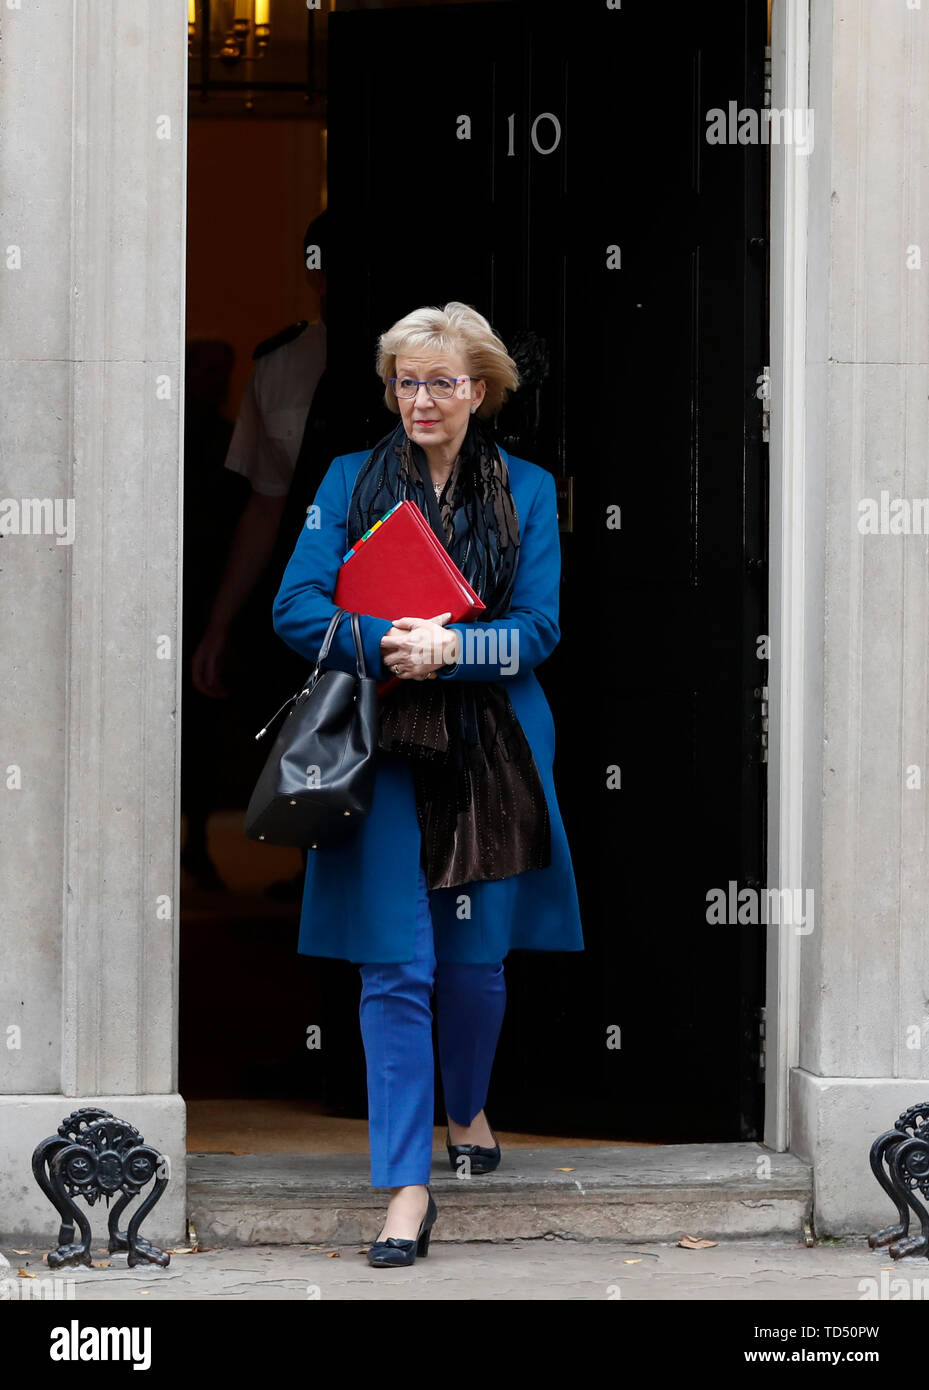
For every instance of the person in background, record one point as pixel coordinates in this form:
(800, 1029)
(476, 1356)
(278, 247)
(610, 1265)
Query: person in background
(213, 502)
(265, 446)
(273, 449)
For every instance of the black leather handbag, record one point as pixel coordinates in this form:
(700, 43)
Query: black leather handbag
(318, 782)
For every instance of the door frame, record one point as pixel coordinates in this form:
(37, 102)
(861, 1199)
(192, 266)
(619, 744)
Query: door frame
(791, 594)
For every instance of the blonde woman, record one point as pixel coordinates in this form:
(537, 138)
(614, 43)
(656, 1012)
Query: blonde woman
(463, 856)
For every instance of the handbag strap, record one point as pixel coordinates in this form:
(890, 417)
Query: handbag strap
(327, 640)
(323, 653)
(360, 665)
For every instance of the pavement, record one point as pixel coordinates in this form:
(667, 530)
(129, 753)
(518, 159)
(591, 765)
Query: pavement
(548, 1268)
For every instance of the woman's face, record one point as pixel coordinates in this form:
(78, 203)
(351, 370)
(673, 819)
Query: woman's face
(431, 422)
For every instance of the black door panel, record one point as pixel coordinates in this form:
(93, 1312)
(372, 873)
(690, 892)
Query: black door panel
(587, 133)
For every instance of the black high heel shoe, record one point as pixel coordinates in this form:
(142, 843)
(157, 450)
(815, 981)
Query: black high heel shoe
(385, 1254)
(482, 1160)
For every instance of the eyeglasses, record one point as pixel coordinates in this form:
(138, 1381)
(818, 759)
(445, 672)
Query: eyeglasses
(440, 388)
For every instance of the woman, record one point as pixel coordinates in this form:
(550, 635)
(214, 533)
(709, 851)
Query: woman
(463, 855)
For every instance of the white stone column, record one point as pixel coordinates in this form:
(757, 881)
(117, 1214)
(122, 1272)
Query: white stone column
(93, 164)
(864, 970)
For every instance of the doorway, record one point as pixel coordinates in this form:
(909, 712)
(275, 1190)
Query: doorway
(577, 203)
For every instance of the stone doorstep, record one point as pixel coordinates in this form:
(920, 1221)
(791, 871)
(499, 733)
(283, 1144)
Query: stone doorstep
(632, 1193)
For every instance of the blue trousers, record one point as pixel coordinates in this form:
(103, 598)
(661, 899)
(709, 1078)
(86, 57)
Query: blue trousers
(396, 1028)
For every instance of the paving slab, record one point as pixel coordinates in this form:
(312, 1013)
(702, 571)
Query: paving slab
(514, 1270)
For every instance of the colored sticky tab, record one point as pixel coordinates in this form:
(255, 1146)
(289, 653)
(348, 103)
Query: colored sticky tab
(370, 531)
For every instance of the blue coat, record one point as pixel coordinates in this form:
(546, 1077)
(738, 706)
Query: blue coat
(359, 899)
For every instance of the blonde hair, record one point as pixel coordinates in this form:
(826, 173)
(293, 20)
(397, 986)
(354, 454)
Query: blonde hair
(456, 326)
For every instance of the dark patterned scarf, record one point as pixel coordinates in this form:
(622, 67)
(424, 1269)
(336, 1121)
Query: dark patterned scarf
(479, 799)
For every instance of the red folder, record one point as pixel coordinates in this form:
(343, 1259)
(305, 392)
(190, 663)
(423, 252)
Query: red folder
(399, 568)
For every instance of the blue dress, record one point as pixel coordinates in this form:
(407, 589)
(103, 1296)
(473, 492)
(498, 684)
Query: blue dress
(360, 898)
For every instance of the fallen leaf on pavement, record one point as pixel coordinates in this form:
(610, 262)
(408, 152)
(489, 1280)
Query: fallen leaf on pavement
(24, 1275)
(692, 1243)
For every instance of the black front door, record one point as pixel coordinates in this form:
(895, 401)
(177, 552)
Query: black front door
(554, 172)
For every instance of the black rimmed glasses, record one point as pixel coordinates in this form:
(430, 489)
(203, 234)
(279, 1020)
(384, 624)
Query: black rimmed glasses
(440, 388)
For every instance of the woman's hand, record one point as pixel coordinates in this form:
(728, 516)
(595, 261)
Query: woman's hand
(415, 648)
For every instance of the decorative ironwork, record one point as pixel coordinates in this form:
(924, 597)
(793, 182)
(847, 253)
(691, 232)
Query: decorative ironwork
(94, 1155)
(900, 1162)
